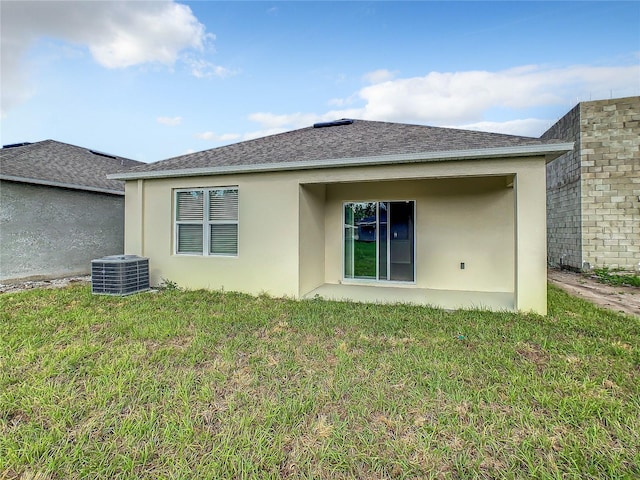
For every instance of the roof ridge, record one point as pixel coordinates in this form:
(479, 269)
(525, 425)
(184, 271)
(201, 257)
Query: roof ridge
(360, 139)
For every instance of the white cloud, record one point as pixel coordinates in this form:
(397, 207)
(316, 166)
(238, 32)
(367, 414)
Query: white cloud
(466, 96)
(117, 34)
(263, 133)
(466, 99)
(204, 69)
(170, 121)
(213, 137)
(379, 76)
(343, 102)
(284, 122)
(528, 127)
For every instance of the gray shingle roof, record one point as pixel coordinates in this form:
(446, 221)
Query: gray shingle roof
(360, 139)
(55, 163)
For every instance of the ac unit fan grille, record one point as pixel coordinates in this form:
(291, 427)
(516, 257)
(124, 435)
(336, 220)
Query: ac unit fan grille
(119, 275)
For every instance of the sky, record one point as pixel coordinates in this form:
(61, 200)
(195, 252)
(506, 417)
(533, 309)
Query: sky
(153, 80)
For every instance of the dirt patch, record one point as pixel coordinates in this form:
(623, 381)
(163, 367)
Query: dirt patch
(534, 354)
(618, 298)
(54, 283)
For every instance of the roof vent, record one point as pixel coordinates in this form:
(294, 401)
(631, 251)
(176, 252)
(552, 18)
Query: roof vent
(119, 275)
(102, 154)
(335, 123)
(14, 145)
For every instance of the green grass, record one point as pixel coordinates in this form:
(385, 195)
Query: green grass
(616, 277)
(186, 385)
(365, 259)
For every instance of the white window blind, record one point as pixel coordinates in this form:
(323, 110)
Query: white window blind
(190, 238)
(223, 218)
(190, 206)
(206, 221)
(224, 239)
(223, 205)
(189, 216)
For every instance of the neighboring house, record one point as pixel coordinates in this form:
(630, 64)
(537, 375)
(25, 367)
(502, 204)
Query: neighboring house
(58, 210)
(593, 192)
(464, 213)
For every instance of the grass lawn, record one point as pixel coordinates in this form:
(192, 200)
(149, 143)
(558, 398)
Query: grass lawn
(201, 384)
(365, 259)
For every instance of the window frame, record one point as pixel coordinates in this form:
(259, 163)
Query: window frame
(205, 221)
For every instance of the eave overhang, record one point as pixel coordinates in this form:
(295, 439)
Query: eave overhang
(549, 151)
(70, 186)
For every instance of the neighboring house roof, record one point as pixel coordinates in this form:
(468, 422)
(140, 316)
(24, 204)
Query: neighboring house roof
(348, 143)
(62, 165)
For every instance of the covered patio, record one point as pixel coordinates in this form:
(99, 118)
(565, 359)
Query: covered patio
(447, 299)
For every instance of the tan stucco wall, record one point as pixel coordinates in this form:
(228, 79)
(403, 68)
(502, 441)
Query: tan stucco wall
(134, 218)
(312, 235)
(531, 238)
(286, 249)
(267, 260)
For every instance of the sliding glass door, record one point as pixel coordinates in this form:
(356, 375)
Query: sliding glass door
(379, 241)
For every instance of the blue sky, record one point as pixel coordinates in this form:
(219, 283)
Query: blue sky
(152, 80)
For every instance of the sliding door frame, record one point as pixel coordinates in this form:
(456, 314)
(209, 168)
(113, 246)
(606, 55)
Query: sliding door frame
(377, 279)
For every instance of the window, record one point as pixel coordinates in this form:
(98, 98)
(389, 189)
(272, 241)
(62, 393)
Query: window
(207, 221)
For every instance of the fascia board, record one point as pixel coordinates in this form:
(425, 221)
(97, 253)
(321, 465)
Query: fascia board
(70, 186)
(550, 151)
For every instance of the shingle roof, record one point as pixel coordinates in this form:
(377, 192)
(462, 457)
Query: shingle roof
(359, 139)
(55, 163)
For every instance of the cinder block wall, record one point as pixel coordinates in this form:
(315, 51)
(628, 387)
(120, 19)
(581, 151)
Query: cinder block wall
(593, 205)
(610, 150)
(564, 215)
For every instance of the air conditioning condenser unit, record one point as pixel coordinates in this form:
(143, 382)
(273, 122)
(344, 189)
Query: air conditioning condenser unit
(119, 275)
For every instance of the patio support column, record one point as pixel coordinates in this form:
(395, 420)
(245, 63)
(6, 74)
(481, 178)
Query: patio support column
(311, 237)
(134, 218)
(531, 237)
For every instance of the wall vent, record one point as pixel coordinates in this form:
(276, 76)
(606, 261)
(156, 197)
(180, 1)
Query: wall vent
(119, 275)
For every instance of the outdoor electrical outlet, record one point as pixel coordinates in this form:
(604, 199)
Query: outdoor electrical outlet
(461, 265)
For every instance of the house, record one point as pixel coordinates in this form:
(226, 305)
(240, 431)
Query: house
(459, 215)
(367, 228)
(58, 210)
(593, 191)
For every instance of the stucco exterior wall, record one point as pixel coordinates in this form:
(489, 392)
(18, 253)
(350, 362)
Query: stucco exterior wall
(468, 221)
(531, 235)
(49, 232)
(312, 235)
(267, 260)
(290, 227)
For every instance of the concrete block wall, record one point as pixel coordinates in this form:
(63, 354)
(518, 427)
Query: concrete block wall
(564, 215)
(610, 171)
(593, 192)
